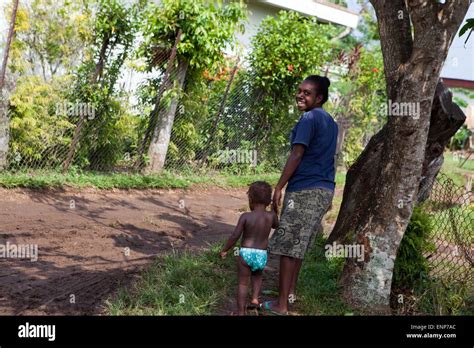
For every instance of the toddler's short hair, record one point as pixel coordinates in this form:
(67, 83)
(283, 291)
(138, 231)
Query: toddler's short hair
(260, 192)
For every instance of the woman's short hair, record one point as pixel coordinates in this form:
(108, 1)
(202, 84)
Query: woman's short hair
(322, 84)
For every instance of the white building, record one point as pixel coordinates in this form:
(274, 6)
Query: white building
(322, 10)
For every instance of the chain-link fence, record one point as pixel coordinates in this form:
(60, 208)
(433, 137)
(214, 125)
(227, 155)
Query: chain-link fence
(451, 208)
(218, 127)
(173, 119)
(447, 285)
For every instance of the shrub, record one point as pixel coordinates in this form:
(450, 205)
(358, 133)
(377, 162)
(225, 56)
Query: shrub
(411, 265)
(461, 138)
(39, 135)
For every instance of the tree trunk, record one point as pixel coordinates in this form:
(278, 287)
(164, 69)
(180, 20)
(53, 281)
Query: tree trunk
(4, 131)
(99, 68)
(219, 113)
(446, 119)
(11, 32)
(382, 186)
(343, 121)
(4, 121)
(162, 133)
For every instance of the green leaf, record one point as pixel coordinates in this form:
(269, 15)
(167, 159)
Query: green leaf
(468, 25)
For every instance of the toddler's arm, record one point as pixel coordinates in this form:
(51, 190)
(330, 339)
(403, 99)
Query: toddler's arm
(234, 237)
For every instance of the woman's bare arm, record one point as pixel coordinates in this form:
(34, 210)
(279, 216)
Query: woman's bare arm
(292, 163)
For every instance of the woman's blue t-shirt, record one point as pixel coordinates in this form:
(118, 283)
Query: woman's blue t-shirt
(317, 130)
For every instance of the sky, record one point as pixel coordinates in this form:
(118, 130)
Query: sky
(459, 64)
(460, 61)
(3, 22)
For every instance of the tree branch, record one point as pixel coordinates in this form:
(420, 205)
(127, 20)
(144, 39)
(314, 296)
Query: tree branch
(454, 8)
(395, 37)
(435, 26)
(423, 14)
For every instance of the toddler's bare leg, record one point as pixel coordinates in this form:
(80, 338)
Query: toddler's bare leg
(257, 278)
(243, 287)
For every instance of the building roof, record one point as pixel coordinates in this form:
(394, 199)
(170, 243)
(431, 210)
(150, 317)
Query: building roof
(323, 10)
(339, 7)
(458, 83)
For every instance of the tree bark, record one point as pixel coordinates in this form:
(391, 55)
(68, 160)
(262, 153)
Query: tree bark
(219, 113)
(4, 131)
(4, 121)
(342, 120)
(11, 32)
(446, 118)
(155, 114)
(382, 186)
(160, 140)
(99, 68)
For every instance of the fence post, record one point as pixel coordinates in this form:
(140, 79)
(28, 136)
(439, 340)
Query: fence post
(219, 113)
(161, 91)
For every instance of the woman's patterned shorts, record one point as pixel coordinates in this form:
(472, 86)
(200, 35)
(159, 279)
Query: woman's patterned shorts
(299, 222)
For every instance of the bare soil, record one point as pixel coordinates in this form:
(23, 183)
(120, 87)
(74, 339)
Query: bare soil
(90, 242)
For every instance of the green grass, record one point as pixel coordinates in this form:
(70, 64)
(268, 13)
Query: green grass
(431, 296)
(178, 284)
(340, 179)
(440, 298)
(166, 180)
(331, 215)
(449, 271)
(451, 168)
(318, 290)
(102, 181)
(185, 284)
(204, 283)
(42, 179)
(463, 220)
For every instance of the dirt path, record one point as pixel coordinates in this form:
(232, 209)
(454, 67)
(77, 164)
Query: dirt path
(83, 238)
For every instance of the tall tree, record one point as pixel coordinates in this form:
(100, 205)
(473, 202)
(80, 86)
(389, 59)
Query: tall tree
(4, 128)
(115, 25)
(383, 185)
(278, 63)
(207, 29)
(53, 36)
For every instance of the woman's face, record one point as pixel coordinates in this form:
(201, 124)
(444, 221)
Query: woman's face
(306, 96)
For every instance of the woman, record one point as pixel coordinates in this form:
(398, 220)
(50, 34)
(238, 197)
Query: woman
(310, 174)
